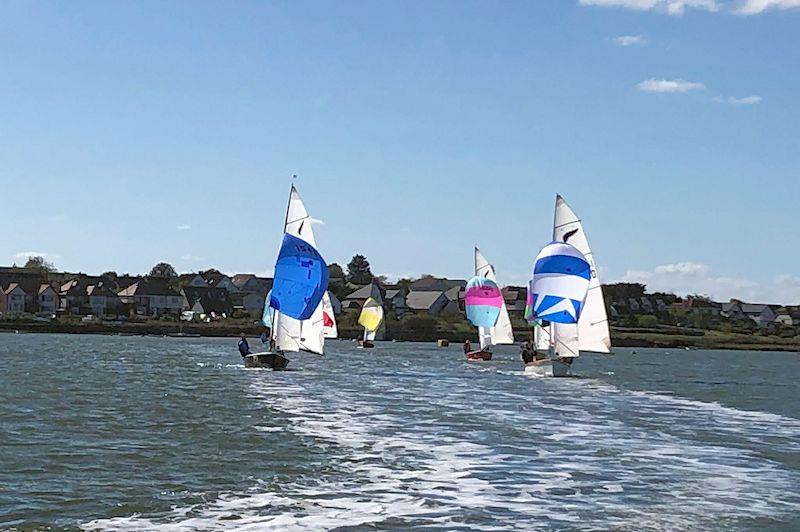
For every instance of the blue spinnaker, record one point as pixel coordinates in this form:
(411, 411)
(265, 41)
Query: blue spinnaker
(301, 279)
(561, 277)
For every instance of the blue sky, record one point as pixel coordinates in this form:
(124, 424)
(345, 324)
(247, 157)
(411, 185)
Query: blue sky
(134, 132)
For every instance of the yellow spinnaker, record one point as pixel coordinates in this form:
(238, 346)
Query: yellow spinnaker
(371, 315)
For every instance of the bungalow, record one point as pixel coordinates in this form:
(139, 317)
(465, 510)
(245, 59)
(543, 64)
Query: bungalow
(47, 299)
(356, 299)
(152, 296)
(251, 291)
(15, 298)
(427, 301)
(762, 315)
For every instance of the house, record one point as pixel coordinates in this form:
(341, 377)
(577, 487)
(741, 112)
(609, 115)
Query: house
(102, 298)
(395, 301)
(89, 295)
(427, 301)
(451, 289)
(251, 291)
(153, 296)
(15, 298)
(356, 299)
(455, 300)
(3, 299)
(47, 299)
(515, 298)
(191, 279)
(207, 300)
(761, 314)
(789, 316)
(699, 305)
(220, 280)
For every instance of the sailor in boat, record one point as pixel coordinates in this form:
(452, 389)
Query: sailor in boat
(467, 347)
(527, 352)
(244, 347)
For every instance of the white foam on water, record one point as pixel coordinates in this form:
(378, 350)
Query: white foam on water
(600, 458)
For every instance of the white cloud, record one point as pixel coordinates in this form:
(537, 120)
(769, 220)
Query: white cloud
(670, 7)
(679, 7)
(25, 255)
(192, 258)
(183, 227)
(747, 100)
(754, 7)
(684, 268)
(669, 85)
(688, 277)
(629, 40)
(316, 221)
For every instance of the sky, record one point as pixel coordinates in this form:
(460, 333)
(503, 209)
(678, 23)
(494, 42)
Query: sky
(136, 132)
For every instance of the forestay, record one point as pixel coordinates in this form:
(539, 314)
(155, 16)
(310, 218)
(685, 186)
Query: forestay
(593, 333)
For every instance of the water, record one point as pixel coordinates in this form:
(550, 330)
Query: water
(124, 433)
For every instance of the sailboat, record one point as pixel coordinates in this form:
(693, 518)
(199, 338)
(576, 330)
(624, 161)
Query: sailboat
(294, 308)
(486, 309)
(591, 333)
(329, 329)
(370, 318)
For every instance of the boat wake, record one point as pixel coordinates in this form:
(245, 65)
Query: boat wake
(547, 454)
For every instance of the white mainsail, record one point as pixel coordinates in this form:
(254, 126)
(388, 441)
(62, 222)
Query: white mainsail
(592, 330)
(291, 334)
(502, 332)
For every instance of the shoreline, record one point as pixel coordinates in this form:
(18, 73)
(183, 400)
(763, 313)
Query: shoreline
(619, 338)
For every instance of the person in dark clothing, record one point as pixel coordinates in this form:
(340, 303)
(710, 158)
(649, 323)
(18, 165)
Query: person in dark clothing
(526, 353)
(244, 347)
(467, 347)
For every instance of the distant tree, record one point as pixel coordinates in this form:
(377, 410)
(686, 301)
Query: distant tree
(163, 270)
(404, 283)
(111, 275)
(335, 271)
(380, 279)
(38, 263)
(358, 271)
(427, 276)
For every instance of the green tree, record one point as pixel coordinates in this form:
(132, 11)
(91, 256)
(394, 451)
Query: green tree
(38, 263)
(163, 270)
(358, 271)
(335, 271)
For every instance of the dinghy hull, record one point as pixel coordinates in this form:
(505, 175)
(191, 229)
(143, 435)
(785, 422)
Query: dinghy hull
(550, 368)
(365, 344)
(274, 361)
(479, 355)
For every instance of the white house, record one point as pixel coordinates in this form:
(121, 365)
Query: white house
(47, 299)
(15, 298)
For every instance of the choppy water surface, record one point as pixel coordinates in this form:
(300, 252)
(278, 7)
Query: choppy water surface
(122, 433)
